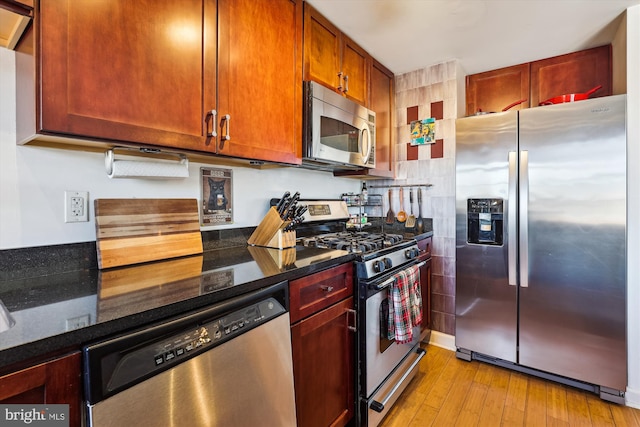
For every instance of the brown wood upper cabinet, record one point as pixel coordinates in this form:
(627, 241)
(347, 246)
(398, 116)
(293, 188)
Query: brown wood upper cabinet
(494, 90)
(333, 59)
(538, 81)
(576, 72)
(134, 73)
(260, 79)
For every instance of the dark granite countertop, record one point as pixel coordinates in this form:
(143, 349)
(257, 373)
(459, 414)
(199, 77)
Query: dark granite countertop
(58, 310)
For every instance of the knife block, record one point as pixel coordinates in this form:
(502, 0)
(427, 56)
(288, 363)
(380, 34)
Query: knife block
(269, 232)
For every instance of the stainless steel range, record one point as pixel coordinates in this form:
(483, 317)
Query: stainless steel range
(385, 367)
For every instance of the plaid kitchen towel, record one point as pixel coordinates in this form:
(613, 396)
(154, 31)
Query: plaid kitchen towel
(405, 305)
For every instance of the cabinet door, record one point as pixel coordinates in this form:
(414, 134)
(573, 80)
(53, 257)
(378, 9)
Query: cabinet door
(575, 72)
(127, 70)
(494, 90)
(323, 367)
(55, 382)
(355, 71)
(321, 49)
(382, 96)
(260, 79)
(425, 290)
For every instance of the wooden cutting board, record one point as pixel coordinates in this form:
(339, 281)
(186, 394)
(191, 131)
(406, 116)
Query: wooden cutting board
(132, 231)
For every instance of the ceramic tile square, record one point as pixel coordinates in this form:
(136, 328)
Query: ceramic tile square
(436, 73)
(401, 116)
(404, 136)
(412, 114)
(437, 110)
(448, 128)
(401, 152)
(437, 149)
(452, 70)
(443, 285)
(412, 152)
(424, 152)
(450, 246)
(437, 92)
(450, 108)
(443, 303)
(449, 265)
(401, 171)
(450, 89)
(424, 168)
(437, 264)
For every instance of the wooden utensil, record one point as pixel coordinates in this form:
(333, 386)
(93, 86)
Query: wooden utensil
(411, 220)
(420, 222)
(402, 215)
(390, 214)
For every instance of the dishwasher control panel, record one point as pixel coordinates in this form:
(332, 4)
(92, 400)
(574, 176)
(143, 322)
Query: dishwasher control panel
(125, 361)
(211, 333)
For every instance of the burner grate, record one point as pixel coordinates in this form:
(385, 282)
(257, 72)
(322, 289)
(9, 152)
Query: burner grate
(354, 242)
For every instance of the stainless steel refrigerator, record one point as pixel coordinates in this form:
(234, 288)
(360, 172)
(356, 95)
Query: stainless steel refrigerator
(541, 242)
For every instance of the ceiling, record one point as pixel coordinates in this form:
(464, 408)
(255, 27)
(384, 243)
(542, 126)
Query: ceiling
(407, 35)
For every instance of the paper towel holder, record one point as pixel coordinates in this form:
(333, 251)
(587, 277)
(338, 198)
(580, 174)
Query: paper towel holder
(178, 168)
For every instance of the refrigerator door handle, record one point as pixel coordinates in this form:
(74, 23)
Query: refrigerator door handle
(511, 218)
(524, 218)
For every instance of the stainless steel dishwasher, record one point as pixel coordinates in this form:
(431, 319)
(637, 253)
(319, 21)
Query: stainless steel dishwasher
(226, 365)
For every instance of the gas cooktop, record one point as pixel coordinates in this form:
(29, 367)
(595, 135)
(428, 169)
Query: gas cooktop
(353, 241)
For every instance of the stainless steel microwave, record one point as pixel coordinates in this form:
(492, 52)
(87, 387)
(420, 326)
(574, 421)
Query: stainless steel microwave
(337, 133)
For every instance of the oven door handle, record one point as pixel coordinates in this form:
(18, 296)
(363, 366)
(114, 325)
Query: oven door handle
(384, 284)
(379, 406)
(390, 281)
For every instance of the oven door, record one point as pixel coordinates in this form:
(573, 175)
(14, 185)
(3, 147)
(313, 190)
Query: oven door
(382, 355)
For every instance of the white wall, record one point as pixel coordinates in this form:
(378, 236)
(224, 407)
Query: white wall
(33, 181)
(633, 206)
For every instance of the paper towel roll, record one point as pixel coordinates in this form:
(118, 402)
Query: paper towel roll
(117, 168)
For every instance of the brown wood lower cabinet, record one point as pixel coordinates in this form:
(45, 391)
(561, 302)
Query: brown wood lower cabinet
(425, 287)
(54, 382)
(324, 354)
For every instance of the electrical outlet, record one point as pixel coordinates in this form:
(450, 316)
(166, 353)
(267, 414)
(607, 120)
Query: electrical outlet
(76, 206)
(78, 322)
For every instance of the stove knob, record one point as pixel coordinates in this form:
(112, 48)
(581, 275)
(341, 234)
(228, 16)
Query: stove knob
(378, 266)
(411, 253)
(387, 262)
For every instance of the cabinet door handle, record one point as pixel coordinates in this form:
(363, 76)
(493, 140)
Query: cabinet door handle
(340, 81)
(353, 328)
(226, 119)
(346, 83)
(213, 115)
(327, 289)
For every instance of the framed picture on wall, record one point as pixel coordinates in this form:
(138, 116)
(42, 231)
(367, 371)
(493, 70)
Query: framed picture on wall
(216, 196)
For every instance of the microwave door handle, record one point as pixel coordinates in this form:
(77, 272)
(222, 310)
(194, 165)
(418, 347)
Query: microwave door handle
(365, 156)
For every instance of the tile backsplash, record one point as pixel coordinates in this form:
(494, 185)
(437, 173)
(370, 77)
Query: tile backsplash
(435, 92)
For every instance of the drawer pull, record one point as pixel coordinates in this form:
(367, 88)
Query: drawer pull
(327, 289)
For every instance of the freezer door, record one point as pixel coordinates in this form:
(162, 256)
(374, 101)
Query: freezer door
(486, 306)
(572, 299)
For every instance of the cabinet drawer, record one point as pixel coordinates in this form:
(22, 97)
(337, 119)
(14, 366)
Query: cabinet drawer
(315, 292)
(425, 248)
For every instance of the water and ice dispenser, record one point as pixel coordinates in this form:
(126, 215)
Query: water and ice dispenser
(485, 221)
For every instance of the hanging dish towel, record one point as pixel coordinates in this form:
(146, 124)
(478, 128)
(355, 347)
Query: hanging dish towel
(405, 305)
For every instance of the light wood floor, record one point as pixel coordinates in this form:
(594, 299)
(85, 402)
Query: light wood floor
(451, 392)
